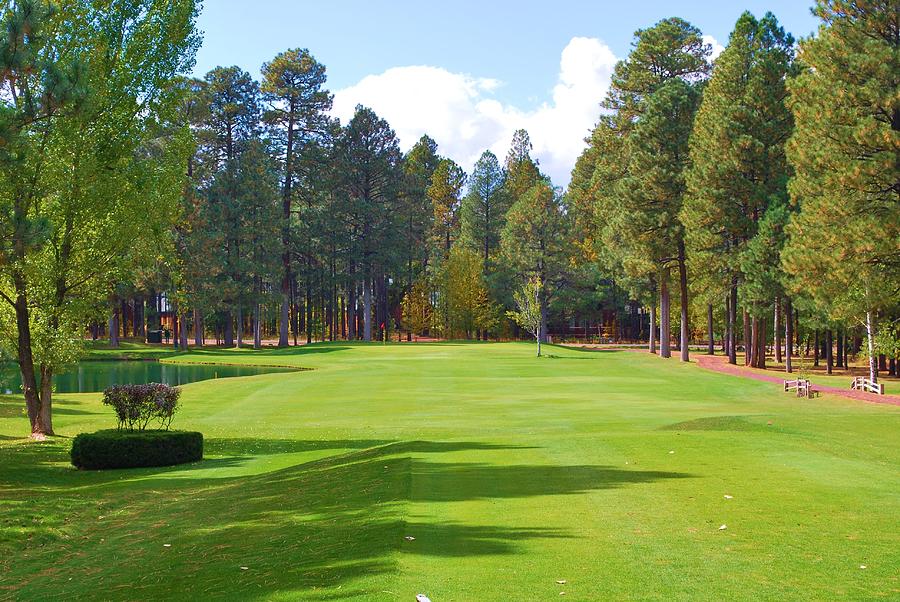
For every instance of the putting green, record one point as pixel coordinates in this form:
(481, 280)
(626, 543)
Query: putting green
(624, 475)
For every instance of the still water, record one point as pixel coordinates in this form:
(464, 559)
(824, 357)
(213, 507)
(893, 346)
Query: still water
(87, 377)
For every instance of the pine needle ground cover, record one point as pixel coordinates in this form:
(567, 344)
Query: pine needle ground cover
(466, 472)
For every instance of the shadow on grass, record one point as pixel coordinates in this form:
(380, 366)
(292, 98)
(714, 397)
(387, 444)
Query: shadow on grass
(719, 423)
(303, 530)
(16, 409)
(12, 409)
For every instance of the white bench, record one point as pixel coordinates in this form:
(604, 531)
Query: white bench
(802, 386)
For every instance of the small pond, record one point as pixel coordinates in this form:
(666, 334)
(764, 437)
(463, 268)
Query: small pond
(91, 376)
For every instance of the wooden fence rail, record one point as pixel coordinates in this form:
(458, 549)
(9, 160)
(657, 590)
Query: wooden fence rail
(861, 383)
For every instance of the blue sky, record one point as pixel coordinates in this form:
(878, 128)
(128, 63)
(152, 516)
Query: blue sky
(481, 68)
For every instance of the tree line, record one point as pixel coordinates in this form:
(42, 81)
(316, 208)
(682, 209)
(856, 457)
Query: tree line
(758, 192)
(297, 224)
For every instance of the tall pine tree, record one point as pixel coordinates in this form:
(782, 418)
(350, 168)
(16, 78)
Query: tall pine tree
(842, 247)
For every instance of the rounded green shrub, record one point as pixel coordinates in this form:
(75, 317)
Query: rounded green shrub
(130, 449)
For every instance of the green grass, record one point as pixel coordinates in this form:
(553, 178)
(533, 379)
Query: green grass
(604, 469)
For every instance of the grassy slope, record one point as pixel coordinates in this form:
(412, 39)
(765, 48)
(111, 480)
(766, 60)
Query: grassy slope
(510, 472)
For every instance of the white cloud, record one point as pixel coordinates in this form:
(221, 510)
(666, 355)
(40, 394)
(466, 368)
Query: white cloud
(716, 47)
(458, 111)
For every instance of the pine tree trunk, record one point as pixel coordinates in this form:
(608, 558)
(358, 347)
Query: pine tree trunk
(776, 329)
(184, 331)
(351, 311)
(138, 331)
(729, 333)
(748, 347)
(367, 305)
(753, 352)
(840, 348)
(239, 326)
(198, 328)
(307, 293)
(817, 348)
(666, 316)
(114, 328)
(711, 346)
(175, 332)
(123, 318)
(829, 359)
(685, 313)
(788, 337)
(257, 333)
(285, 320)
(761, 343)
(294, 313)
(732, 323)
(229, 330)
(653, 327)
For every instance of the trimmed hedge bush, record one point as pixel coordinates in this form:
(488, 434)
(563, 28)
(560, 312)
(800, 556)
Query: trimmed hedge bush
(130, 449)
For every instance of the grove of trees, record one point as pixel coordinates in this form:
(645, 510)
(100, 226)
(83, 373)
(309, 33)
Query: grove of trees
(768, 180)
(757, 194)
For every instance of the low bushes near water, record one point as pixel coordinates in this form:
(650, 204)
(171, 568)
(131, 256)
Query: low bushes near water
(131, 444)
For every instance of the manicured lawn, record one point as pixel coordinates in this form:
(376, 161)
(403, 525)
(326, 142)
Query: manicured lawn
(608, 470)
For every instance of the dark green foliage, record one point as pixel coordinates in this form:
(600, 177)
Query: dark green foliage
(418, 167)
(138, 405)
(133, 449)
(737, 148)
(673, 48)
(484, 208)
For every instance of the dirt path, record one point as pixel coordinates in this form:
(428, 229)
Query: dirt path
(720, 364)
